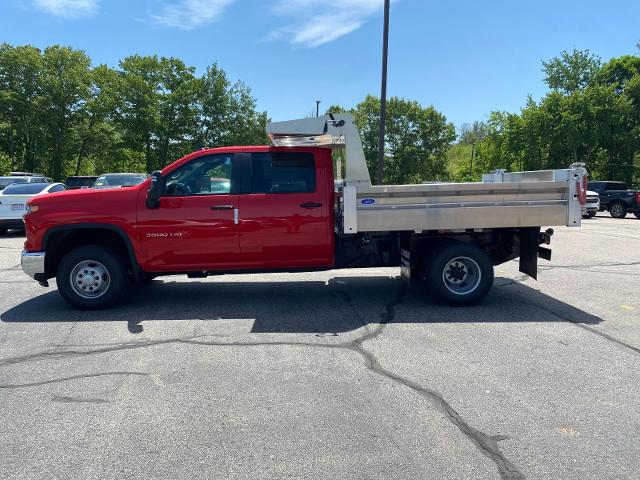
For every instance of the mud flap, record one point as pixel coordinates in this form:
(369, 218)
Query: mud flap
(529, 241)
(405, 265)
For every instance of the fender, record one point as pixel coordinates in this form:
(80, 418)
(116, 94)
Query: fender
(138, 273)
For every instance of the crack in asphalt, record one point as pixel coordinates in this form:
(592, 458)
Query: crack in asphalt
(67, 399)
(68, 379)
(486, 444)
(585, 327)
(590, 268)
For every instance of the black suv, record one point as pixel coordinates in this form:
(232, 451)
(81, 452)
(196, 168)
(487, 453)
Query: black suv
(617, 198)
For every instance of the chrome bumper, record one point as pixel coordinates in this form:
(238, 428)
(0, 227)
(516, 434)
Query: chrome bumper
(32, 264)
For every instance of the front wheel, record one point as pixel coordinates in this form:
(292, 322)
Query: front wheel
(618, 210)
(459, 274)
(3, 231)
(92, 277)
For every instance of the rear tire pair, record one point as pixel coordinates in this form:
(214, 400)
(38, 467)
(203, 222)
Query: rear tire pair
(458, 274)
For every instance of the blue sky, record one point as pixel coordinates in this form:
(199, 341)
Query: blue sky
(466, 58)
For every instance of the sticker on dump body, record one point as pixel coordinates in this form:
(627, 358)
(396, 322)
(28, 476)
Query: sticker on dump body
(367, 201)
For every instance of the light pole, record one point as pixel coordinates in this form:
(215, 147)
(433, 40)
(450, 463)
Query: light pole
(383, 93)
(318, 108)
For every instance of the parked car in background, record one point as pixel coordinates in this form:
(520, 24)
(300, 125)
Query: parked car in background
(21, 177)
(118, 180)
(80, 181)
(617, 198)
(14, 198)
(592, 205)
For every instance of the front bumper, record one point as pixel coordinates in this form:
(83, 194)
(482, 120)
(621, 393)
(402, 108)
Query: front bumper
(33, 264)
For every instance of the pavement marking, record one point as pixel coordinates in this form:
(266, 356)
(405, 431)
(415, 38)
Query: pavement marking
(627, 307)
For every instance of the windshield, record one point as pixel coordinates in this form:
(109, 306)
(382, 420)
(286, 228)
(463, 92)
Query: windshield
(25, 188)
(4, 181)
(80, 181)
(119, 180)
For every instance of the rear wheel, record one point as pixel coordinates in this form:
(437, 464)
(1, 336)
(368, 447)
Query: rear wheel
(618, 210)
(92, 277)
(459, 274)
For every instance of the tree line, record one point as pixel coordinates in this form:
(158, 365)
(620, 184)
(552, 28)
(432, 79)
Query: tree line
(591, 114)
(60, 115)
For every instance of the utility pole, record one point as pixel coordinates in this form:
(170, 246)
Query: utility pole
(318, 108)
(383, 93)
(473, 151)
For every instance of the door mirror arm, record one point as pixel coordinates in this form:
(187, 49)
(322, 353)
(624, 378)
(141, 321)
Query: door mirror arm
(156, 188)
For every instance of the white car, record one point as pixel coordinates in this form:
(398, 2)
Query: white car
(13, 201)
(15, 178)
(593, 204)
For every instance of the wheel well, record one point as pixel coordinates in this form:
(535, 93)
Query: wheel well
(59, 243)
(498, 244)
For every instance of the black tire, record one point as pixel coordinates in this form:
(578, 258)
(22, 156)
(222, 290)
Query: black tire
(463, 263)
(99, 261)
(590, 215)
(3, 231)
(618, 210)
(637, 214)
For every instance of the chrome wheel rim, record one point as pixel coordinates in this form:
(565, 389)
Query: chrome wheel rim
(90, 279)
(616, 209)
(461, 275)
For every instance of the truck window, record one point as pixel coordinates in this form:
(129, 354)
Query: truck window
(202, 176)
(283, 172)
(616, 186)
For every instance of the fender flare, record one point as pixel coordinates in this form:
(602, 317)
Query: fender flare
(135, 266)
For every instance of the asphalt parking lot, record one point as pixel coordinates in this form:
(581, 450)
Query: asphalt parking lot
(333, 375)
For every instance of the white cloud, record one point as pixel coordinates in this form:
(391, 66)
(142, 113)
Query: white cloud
(316, 22)
(69, 8)
(190, 14)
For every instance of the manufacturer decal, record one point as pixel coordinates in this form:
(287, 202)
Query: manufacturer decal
(164, 235)
(367, 201)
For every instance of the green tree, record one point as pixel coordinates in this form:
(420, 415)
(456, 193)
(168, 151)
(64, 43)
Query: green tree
(571, 71)
(417, 139)
(65, 89)
(20, 103)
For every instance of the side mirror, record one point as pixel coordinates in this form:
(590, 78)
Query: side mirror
(2, 187)
(156, 187)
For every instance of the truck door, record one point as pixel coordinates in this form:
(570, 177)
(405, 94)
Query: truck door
(286, 211)
(195, 227)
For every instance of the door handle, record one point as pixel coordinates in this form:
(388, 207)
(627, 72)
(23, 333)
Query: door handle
(311, 205)
(222, 207)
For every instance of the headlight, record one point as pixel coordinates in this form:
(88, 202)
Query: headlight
(32, 208)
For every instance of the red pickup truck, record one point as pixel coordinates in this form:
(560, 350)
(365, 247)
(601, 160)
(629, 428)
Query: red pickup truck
(278, 208)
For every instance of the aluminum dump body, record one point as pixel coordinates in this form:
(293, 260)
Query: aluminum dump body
(501, 200)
